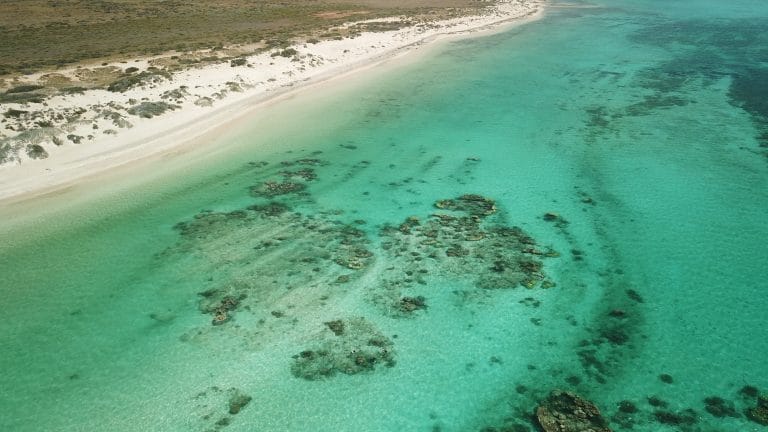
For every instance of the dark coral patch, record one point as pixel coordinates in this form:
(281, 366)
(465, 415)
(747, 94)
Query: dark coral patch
(566, 412)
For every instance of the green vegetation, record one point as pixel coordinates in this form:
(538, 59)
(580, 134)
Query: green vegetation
(36, 151)
(288, 52)
(150, 109)
(23, 89)
(21, 98)
(73, 90)
(37, 34)
(238, 62)
(129, 81)
(7, 151)
(14, 113)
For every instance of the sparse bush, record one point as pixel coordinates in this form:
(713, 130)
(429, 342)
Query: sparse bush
(124, 83)
(23, 89)
(150, 109)
(238, 62)
(73, 90)
(7, 152)
(131, 69)
(14, 113)
(204, 102)
(127, 82)
(233, 86)
(36, 151)
(288, 52)
(21, 98)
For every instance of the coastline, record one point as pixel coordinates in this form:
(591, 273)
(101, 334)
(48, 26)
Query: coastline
(193, 125)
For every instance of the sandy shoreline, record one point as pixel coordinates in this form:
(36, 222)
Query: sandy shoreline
(212, 98)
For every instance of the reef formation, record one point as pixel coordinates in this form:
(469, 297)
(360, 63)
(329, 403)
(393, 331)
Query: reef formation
(564, 411)
(348, 346)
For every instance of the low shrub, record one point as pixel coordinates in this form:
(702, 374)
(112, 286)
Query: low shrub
(36, 151)
(73, 90)
(21, 98)
(127, 82)
(238, 62)
(14, 113)
(24, 89)
(288, 52)
(150, 109)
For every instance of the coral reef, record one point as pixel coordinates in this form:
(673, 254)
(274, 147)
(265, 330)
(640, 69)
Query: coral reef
(564, 411)
(759, 414)
(217, 407)
(348, 346)
(466, 241)
(686, 417)
(720, 407)
(219, 304)
(238, 401)
(475, 205)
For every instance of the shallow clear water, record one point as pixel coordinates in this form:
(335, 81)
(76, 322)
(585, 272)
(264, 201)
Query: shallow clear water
(641, 124)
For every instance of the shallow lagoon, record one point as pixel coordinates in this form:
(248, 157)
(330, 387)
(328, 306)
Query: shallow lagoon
(639, 126)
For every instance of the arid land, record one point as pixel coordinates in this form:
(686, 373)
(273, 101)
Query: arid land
(38, 34)
(89, 85)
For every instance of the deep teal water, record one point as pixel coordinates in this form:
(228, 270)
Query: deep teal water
(642, 124)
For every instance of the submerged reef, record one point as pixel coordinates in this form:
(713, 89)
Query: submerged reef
(462, 241)
(348, 346)
(564, 411)
(219, 304)
(286, 182)
(759, 414)
(217, 407)
(720, 407)
(270, 267)
(267, 250)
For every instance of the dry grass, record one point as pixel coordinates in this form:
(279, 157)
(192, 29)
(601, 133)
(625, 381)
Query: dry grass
(37, 34)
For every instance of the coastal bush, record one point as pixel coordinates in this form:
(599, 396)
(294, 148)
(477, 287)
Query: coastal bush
(23, 89)
(176, 94)
(288, 52)
(233, 86)
(124, 83)
(14, 113)
(204, 102)
(36, 151)
(131, 69)
(151, 109)
(21, 98)
(73, 90)
(238, 62)
(7, 151)
(127, 82)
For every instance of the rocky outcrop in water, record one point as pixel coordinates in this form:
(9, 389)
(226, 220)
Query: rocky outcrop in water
(759, 414)
(564, 411)
(466, 240)
(348, 346)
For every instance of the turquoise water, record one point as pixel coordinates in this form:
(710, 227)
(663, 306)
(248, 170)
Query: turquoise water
(640, 126)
